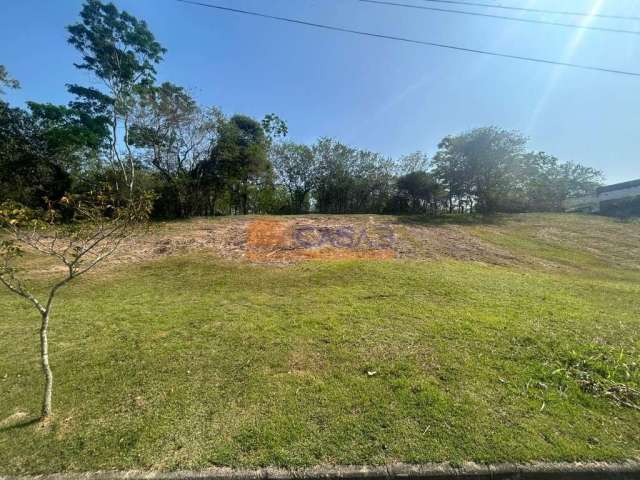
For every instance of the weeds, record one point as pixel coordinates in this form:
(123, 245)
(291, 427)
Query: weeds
(604, 372)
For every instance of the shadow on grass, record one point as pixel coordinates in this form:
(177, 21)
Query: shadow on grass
(626, 220)
(16, 423)
(452, 219)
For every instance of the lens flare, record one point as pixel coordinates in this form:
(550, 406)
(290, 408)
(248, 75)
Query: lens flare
(557, 72)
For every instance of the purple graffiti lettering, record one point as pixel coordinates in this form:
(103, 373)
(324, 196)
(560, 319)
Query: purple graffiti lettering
(304, 237)
(343, 237)
(325, 236)
(363, 239)
(387, 238)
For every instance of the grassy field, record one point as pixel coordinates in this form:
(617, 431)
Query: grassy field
(189, 360)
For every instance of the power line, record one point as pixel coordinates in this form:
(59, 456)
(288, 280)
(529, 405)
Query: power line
(502, 17)
(412, 41)
(534, 10)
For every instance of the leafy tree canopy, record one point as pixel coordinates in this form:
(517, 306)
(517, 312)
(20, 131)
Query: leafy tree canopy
(117, 47)
(6, 80)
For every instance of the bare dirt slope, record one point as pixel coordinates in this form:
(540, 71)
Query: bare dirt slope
(547, 240)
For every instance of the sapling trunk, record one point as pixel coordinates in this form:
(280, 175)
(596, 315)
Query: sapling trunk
(46, 369)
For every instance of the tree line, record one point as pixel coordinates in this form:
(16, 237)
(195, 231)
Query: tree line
(135, 134)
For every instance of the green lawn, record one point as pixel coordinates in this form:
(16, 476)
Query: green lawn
(188, 361)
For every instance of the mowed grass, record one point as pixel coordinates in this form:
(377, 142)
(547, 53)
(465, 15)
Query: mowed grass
(188, 362)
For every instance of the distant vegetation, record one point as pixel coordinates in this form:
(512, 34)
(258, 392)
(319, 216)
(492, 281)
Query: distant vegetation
(136, 134)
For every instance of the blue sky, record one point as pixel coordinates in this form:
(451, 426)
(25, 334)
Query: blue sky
(377, 94)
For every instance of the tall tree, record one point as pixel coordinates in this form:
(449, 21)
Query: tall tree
(121, 52)
(42, 150)
(176, 135)
(480, 165)
(28, 172)
(350, 180)
(542, 183)
(421, 190)
(450, 170)
(73, 134)
(334, 180)
(374, 182)
(580, 180)
(417, 161)
(240, 158)
(295, 168)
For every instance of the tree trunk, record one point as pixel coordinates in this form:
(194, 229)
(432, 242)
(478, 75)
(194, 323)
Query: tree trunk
(213, 199)
(244, 199)
(46, 369)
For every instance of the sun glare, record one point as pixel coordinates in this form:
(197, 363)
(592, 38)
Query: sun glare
(557, 72)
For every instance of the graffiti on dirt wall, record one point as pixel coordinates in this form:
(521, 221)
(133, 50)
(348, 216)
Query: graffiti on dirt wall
(310, 236)
(275, 240)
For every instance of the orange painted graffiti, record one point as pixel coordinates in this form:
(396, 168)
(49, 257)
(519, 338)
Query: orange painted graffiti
(282, 241)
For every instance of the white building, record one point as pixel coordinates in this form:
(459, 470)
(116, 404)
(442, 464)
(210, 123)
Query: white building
(604, 198)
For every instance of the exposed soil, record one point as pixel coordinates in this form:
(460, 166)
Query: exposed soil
(289, 239)
(292, 239)
(304, 239)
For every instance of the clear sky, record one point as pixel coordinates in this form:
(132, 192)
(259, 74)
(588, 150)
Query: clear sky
(372, 93)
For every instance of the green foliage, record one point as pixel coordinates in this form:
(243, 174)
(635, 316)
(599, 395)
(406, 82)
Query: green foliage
(239, 158)
(175, 136)
(44, 149)
(122, 53)
(274, 127)
(6, 80)
(414, 162)
(295, 167)
(420, 190)
(489, 170)
(90, 100)
(350, 180)
(478, 166)
(546, 182)
(13, 214)
(71, 134)
(29, 168)
(66, 127)
(115, 46)
(603, 371)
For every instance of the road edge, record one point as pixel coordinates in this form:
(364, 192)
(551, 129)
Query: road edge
(433, 471)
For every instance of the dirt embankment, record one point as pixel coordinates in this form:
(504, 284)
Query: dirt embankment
(293, 239)
(540, 240)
